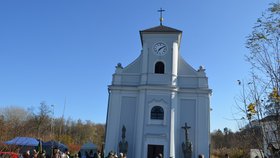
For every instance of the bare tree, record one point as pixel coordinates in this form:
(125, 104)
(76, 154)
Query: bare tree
(12, 119)
(260, 96)
(41, 121)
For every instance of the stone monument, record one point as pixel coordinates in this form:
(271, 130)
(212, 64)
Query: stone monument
(123, 145)
(187, 145)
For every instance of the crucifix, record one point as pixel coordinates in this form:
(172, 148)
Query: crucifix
(161, 18)
(186, 128)
(187, 145)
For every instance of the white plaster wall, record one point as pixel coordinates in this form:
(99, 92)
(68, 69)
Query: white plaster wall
(187, 82)
(135, 66)
(113, 121)
(203, 125)
(135, 88)
(185, 69)
(131, 79)
(128, 119)
(187, 111)
(159, 79)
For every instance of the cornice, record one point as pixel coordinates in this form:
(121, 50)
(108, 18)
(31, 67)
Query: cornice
(160, 87)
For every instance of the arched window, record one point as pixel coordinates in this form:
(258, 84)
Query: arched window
(159, 68)
(157, 113)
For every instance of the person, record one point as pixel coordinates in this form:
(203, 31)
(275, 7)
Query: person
(91, 155)
(121, 155)
(67, 154)
(26, 154)
(98, 154)
(110, 154)
(63, 154)
(35, 154)
(159, 155)
(43, 154)
(200, 156)
(226, 156)
(56, 153)
(79, 154)
(76, 156)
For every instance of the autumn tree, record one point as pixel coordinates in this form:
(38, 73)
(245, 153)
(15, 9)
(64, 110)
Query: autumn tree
(260, 95)
(236, 143)
(38, 122)
(13, 120)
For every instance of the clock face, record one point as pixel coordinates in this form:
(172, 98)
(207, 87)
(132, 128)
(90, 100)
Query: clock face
(160, 48)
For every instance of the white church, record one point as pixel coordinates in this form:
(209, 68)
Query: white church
(159, 104)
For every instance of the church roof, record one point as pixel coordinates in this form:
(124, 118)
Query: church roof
(161, 29)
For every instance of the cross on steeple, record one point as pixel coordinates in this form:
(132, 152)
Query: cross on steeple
(161, 18)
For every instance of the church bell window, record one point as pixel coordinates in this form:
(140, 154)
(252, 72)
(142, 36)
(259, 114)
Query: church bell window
(159, 68)
(157, 113)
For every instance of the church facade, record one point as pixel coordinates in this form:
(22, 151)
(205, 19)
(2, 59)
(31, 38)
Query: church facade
(159, 104)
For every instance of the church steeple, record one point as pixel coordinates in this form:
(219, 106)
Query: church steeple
(161, 29)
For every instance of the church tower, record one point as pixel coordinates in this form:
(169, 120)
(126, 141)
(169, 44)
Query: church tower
(159, 104)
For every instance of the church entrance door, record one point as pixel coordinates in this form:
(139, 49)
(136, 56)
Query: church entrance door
(154, 150)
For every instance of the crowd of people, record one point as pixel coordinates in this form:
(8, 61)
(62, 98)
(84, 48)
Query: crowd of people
(89, 154)
(113, 154)
(56, 153)
(33, 154)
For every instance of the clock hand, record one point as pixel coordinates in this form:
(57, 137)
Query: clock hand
(161, 48)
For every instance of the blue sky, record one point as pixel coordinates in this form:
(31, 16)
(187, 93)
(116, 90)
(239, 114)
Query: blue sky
(54, 51)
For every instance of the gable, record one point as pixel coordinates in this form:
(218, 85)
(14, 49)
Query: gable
(134, 67)
(185, 69)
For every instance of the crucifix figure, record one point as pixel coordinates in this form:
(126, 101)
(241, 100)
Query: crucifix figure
(187, 145)
(161, 18)
(186, 128)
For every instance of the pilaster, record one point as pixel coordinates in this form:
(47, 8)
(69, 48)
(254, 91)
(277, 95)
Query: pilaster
(172, 124)
(139, 126)
(144, 64)
(174, 63)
